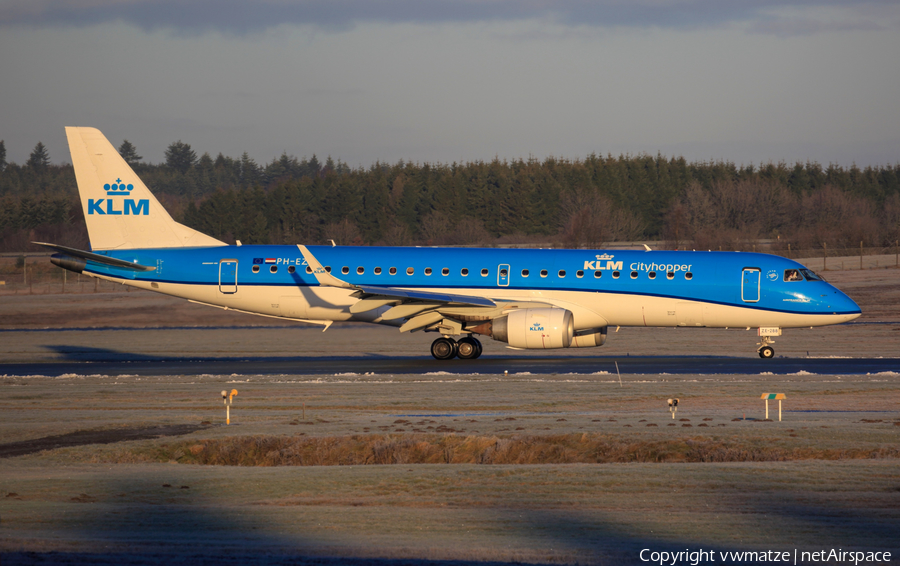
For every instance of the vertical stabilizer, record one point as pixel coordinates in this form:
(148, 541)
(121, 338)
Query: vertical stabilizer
(120, 211)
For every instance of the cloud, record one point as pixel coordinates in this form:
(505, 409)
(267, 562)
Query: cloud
(241, 17)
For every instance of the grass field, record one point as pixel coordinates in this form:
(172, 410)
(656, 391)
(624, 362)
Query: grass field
(125, 501)
(327, 469)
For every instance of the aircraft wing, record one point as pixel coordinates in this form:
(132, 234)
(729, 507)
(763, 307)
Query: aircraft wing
(426, 296)
(419, 306)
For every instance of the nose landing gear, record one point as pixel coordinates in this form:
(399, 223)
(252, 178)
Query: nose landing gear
(766, 351)
(765, 334)
(445, 348)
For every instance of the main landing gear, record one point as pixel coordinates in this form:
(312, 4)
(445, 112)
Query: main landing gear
(467, 348)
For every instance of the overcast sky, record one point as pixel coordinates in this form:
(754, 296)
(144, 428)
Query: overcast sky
(457, 80)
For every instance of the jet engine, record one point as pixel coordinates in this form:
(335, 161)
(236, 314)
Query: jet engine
(532, 329)
(589, 338)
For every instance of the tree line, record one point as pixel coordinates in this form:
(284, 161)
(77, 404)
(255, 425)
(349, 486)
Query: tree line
(581, 202)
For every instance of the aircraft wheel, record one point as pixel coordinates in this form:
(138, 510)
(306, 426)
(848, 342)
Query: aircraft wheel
(766, 352)
(468, 348)
(480, 348)
(443, 348)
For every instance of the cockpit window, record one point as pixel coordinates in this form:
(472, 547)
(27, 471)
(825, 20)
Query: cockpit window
(792, 275)
(811, 275)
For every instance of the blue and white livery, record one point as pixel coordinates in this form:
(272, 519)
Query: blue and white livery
(530, 299)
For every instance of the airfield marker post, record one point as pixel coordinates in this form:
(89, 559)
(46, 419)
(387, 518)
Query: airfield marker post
(776, 396)
(673, 407)
(227, 400)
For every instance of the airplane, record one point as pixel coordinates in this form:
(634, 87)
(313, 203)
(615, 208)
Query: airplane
(527, 298)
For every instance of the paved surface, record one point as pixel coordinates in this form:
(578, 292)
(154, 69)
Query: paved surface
(98, 362)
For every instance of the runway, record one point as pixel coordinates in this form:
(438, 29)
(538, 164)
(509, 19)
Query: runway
(100, 362)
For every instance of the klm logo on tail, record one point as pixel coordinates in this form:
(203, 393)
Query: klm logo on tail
(129, 206)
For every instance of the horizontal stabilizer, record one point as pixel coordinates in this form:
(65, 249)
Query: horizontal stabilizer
(97, 258)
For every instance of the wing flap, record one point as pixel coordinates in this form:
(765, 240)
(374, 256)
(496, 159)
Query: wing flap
(421, 321)
(407, 310)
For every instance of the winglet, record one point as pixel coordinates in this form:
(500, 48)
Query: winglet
(323, 277)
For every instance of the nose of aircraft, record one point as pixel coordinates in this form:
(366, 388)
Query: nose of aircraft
(842, 306)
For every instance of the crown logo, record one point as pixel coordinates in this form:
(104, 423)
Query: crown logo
(118, 188)
(604, 256)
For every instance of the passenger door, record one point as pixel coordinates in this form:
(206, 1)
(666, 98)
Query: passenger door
(503, 275)
(750, 285)
(228, 276)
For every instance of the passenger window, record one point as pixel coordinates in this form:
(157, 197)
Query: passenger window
(360, 270)
(579, 274)
(410, 270)
(445, 271)
(308, 269)
(464, 271)
(345, 270)
(598, 274)
(615, 274)
(377, 271)
(392, 271)
(524, 273)
(652, 275)
(634, 274)
(255, 269)
(688, 275)
(503, 273)
(792, 275)
(274, 269)
(670, 275)
(427, 271)
(484, 272)
(328, 268)
(543, 273)
(291, 269)
(562, 273)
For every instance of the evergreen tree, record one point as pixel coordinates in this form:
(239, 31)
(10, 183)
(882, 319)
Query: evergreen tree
(39, 159)
(250, 171)
(2, 155)
(128, 152)
(180, 157)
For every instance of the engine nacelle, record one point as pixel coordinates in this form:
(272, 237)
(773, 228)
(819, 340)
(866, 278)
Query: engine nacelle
(589, 338)
(535, 328)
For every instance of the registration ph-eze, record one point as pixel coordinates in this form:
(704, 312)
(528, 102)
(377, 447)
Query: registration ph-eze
(130, 207)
